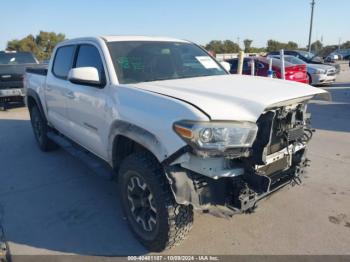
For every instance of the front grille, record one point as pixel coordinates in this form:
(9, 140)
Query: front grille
(10, 85)
(10, 78)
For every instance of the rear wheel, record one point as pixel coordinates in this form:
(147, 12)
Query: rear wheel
(154, 217)
(40, 129)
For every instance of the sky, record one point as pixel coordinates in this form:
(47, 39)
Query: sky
(198, 21)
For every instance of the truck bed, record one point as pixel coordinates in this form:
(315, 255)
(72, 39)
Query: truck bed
(37, 71)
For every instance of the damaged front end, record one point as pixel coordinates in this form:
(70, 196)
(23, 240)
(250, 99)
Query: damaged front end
(233, 180)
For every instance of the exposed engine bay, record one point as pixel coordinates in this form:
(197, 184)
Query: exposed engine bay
(236, 181)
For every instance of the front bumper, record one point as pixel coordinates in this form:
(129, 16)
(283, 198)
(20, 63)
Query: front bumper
(12, 92)
(11, 95)
(239, 189)
(319, 79)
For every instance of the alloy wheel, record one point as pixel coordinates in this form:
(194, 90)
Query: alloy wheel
(141, 203)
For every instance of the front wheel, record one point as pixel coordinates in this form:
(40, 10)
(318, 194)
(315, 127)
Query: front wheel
(154, 217)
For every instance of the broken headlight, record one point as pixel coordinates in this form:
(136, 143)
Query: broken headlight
(217, 135)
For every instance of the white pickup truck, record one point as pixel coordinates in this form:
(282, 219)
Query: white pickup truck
(180, 133)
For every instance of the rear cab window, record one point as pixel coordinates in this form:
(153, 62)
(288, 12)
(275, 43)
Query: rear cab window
(17, 58)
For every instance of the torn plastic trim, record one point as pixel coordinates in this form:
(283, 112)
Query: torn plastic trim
(215, 167)
(173, 157)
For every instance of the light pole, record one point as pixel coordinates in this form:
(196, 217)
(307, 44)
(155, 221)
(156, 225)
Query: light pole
(311, 21)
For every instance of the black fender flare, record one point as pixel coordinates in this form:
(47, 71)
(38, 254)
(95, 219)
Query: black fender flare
(34, 95)
(137, 134)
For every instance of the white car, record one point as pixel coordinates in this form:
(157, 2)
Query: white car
(179, 131)
(319, 74)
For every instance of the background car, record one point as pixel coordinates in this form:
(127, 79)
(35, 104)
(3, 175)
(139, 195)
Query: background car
(12, 68)
(307, 57)
(293, 72)
(318, 73)
(342, 54)
(333, 58)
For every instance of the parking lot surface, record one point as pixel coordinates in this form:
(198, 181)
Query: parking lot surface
(53, 203)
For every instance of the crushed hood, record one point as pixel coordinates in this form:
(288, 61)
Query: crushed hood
(233, 97)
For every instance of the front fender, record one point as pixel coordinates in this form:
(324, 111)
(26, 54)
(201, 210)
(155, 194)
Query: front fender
(139, 135)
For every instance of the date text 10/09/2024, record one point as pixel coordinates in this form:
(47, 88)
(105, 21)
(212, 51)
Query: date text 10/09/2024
(173, 258)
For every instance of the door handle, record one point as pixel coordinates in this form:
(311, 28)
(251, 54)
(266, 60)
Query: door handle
(70, 94)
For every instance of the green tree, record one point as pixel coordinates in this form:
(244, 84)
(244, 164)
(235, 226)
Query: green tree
(345, 45)
(215, 46)
(316, 46)
(41, 45)
(46, 42)
(326, 50)
(220, 47)
(247, 45)
(25, 44)
(291, 46)
(273, 45)
(257, 49)
(230, 47)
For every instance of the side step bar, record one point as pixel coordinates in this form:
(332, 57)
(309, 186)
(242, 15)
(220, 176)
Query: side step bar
(98, 165)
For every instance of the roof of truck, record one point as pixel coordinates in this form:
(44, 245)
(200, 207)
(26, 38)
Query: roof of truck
(116, 38)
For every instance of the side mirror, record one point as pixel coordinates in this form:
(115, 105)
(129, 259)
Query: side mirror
(84, 76)
(226, 65)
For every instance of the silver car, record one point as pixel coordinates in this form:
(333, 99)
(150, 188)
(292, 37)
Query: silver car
(319, 74)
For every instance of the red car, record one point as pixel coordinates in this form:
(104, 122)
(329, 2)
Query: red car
(293, 72)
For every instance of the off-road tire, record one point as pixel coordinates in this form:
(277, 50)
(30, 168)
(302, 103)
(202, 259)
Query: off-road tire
(174, 221)
(40, 129)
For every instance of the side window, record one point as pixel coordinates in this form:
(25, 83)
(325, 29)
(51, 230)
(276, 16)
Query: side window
(260, 65)
(233, 64)
(88, 56)
(63, 61)
(246, 65)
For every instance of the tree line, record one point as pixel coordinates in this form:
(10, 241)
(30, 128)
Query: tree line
(42, 45)
(228, 46)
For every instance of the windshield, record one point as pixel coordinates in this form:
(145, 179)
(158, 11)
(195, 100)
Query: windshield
(292, 60)
(295, 60)
(307, 55)
(16, 58)
(144, 61)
